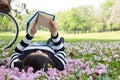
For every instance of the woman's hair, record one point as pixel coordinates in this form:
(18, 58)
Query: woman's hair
(37, 62)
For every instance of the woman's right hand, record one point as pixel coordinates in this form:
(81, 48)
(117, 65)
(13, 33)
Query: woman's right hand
(53, 28)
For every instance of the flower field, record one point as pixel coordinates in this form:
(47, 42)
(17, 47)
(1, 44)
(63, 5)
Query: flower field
(85, 61)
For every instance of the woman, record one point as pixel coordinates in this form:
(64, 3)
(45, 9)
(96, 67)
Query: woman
(40, 56)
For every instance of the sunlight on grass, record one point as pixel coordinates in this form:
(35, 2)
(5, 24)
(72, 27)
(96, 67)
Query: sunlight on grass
(44, 35)
(105, 35)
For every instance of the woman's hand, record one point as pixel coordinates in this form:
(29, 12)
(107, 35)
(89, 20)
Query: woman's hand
(53, 28)
(34, 28)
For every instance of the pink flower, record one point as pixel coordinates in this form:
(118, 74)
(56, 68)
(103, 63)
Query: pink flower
(115, 56)
(90, 78)
(100, 71)
(86, 71)
(30, 70)
(13, 77)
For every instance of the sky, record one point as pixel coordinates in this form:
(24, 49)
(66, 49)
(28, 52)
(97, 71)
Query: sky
(58, 5)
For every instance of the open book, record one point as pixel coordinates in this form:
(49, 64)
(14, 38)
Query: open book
(42, 19)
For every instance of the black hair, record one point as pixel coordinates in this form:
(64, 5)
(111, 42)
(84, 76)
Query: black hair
(37, 62)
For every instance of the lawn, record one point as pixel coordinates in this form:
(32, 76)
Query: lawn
(43, 36)
(105, 36)
(90, 56)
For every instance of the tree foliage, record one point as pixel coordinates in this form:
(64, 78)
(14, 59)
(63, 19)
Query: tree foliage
(78, 19)
(90, 19)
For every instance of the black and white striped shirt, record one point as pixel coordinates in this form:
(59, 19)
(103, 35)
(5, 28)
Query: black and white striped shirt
(57, 51)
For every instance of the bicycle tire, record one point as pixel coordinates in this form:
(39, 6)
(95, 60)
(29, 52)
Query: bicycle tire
(16, 30)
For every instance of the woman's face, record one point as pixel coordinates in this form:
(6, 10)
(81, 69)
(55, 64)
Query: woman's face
(39, 52)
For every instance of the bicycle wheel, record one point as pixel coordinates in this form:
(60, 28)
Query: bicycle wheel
(8, 30)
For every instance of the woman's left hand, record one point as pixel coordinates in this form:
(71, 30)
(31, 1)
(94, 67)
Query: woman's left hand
(53, 28)
(34, 28)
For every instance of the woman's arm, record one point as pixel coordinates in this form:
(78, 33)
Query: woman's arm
(19, 48)
(23, 44)
(60, 56)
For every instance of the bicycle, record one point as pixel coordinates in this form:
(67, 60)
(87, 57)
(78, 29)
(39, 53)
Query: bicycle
(8, 26)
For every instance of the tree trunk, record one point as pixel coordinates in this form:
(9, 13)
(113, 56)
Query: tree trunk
(111, 28)
(104, 27)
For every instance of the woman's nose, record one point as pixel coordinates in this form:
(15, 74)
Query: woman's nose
(39, 51)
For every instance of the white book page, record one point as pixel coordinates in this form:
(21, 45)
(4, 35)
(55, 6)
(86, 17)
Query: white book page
(44, 19)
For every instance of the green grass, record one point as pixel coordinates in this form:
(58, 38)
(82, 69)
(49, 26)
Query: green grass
(94, 36)
(43, 36)
(105, 36)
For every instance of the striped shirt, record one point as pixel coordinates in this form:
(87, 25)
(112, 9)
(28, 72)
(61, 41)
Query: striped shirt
(57, 51)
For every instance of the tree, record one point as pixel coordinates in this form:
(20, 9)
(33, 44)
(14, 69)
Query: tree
(114, 20)
(76, 19)
(105, 13)
(86, 14)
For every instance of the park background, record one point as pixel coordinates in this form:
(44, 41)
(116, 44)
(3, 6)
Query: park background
(91, 31)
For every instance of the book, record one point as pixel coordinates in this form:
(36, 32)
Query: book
(44, 19)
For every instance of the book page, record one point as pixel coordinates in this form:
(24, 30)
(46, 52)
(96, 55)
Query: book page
(44, 20)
